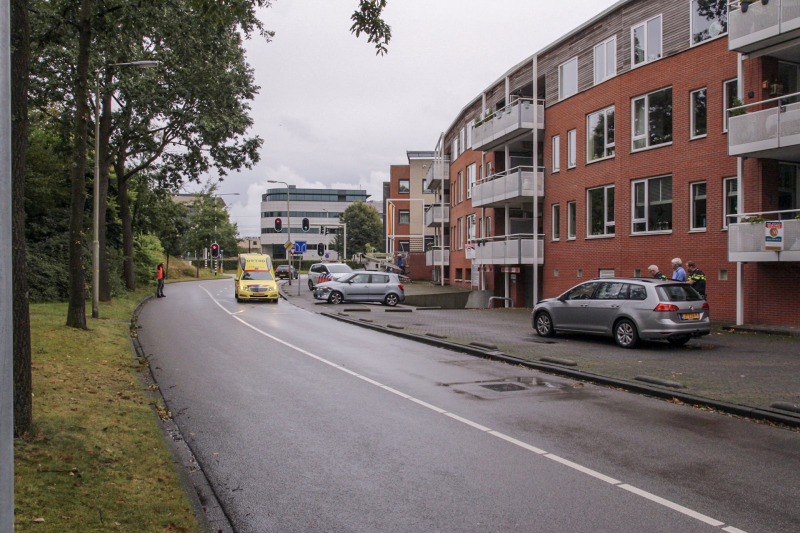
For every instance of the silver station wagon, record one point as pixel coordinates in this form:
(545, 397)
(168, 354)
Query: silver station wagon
(382, 287)
(628, 309)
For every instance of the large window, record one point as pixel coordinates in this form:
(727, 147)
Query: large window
(731, 100)
(462, 140)
(730, 188)
(652, 204)
(789, 190)
(471, 228)
(572, 146)
(600, 211)
(605, 60)
(698, 106)
(460, 187)
(571, 220)
(646, 42)
(556, 222)
(455, 149)
(568, 78)
(460, 233)
(470, 127)
(600, 135)
(709, 19)
(556, 153)
(471, 179)
(698, 206)
(652, 119)
(403, 186)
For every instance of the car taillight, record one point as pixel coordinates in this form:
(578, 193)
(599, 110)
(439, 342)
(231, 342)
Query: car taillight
(666, 307)
(705, 306)
(401, 287)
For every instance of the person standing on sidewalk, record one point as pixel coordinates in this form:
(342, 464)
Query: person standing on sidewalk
(656, 273)
(678, 273)
(160, 278)
(697, 278)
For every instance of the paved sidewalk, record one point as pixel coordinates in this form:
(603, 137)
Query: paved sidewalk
(744, 368)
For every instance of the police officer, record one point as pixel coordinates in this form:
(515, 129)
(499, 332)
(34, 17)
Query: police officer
(655, 272)
(696, 278)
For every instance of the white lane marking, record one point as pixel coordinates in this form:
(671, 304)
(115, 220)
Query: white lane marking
(644, 494)
(666, 503)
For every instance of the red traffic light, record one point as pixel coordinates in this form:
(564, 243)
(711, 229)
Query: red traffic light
(215, 250)
(278, 225)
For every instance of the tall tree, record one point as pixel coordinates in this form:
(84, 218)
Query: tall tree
(364, 227)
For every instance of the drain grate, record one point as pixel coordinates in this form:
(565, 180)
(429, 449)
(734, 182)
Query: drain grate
(503, 387)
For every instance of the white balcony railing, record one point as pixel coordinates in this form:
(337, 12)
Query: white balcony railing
(438, 172)
(761, 25)
(747, 240)
(772, 133)
(516, 118)
(437, 256)
(510, 250)
(433, 215)
(505, 187)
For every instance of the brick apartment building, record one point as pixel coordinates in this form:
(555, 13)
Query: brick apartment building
(614, 148)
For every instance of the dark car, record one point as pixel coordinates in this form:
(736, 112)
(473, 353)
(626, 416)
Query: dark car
(282, 272)
(627, 309)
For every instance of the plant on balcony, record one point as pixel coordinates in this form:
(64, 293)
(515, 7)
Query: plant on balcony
(745, 4)
(754, 220)
(736, 112)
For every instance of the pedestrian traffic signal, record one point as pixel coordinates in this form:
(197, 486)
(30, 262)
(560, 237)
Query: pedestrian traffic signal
(215, 250)
(278, 225)
(306, 224)
(321, 249)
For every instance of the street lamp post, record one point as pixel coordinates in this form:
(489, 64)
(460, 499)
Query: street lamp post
(96, 188)
(288, 222)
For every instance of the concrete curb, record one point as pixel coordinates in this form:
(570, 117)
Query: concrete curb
(745, 411)
(759, 329)
(202, 497)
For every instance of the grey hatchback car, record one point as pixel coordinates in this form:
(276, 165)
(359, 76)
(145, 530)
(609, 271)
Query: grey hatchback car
(628, 309)
(362, 287)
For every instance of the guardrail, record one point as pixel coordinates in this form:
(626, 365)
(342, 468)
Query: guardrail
(520, 182)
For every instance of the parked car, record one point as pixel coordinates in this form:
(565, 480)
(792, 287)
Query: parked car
(282, 272)
(327, 270)
(628, 309)
(382, 287)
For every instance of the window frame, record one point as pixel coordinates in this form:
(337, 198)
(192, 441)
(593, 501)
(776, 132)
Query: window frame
(572, 220)
(693, 114)
(692, 227)
(604, 44)
(644, 24)
(691, 28)
(400, 213)
(646, 135)
(471, 179)
(725, 108)
(460, 233)
(460, 186)
(555, 222)
(561, 92)
(606, 211)
(471, 226)
(725, 214)
(462, 137)
(606, 144)
(556, 163)
(572, 148)
(455, 148)
(645, 220)
(399, 187)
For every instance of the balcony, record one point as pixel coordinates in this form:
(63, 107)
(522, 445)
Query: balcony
(747, 241)
(433, 215)
(772, 133)
(437, 256)
(762, 25)
(511, 188)
(438, 173)
(510, 250)
(506, 124)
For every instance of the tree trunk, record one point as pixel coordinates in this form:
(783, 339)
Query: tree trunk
(20, 71)
(127, 226)
(76, 312)
(166, 272)
(104, 159)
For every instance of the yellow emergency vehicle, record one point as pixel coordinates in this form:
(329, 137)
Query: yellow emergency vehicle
(255, 278)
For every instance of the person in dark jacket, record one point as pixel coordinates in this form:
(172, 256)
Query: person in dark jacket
(160, 278)
(696, 278)
(655, 272)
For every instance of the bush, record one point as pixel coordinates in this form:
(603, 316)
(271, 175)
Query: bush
(147, 254)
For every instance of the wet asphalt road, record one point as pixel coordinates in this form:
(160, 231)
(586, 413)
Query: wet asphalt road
(306, 424)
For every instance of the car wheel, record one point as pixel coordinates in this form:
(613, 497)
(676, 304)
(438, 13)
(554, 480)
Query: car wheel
(335, 298)
(679, 341)
(544, 325)
(391, 300)
(310, 285)
(625, 334)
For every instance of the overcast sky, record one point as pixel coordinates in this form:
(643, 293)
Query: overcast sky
(333, 114)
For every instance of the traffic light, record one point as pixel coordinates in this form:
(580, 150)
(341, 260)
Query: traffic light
(321, 249)
(306, 224)
(278, 225)
(215, 250)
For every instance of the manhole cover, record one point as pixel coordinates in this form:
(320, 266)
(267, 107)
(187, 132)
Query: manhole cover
(503, 387)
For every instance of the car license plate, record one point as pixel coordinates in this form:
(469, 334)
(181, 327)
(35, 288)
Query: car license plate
(690, 316)
(259, 294)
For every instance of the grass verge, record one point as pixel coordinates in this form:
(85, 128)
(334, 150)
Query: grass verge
(96, 459)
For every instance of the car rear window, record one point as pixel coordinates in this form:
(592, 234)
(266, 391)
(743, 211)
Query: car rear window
(338, 269)
(637, 292)
(380, 278)
(677, 293)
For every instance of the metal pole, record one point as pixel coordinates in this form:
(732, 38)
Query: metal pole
(345, 241)
(96, 203)
(536, 183)
(6, 310)
(289, 228)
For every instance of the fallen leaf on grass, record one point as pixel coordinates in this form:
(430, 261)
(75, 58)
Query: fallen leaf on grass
(40, 519)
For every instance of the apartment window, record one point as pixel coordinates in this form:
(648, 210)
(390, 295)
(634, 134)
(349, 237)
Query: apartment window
(488, 226)
(556, 153)
(600, 211)
(471, 179)
(571, 220)
(698, 206)
(646, 41)
(652, 204)
(405, 217)
(698, 106)
(460, 187)
(730, 188)
(462, 138)
(788, 190)
(471, 227)
(652, 119)
(600, 134)
(470, 127)
(709, 19)
(731, 100)
(460, 233)
(568, 78)
(605, 60)
(571, 148)
(455, 149)
(556, 222)
(403, 186)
